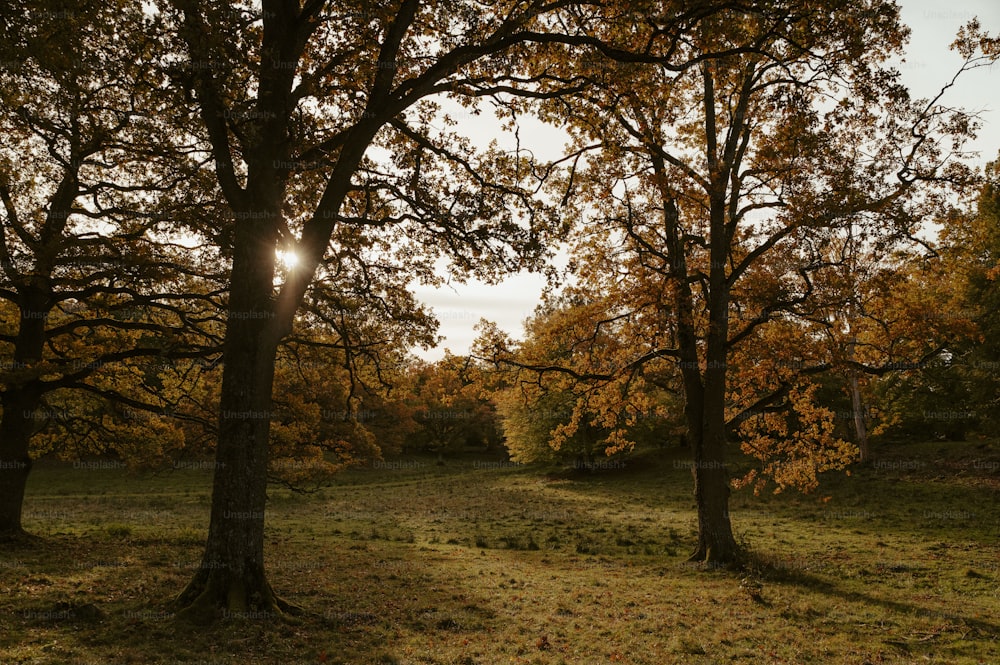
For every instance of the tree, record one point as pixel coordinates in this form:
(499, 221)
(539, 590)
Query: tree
(900, 321)
(984, 293)
(956, 391)
(336, 406)
(971, 258)
(296, 101)
(529, 421)
(551, 416)
(90, 211)
(448, 408)
(717, 191)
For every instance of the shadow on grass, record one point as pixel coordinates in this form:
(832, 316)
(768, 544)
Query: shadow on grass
(776, 573)
(435, 560)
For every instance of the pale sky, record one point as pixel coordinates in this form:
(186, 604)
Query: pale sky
(929, 64)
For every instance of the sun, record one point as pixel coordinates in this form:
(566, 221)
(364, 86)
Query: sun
(287, 258)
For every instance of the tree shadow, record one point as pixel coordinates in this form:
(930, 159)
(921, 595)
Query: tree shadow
(793, 576)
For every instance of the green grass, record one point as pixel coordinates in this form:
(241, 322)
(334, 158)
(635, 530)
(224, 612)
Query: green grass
(473, 564)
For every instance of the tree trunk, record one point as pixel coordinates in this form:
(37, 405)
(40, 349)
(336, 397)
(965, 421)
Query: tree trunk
(706, 432)
(231, 579)
(15, 462)
(704, 397)
(716, 544)
(20, 405)
(860, 426)
(857, 405)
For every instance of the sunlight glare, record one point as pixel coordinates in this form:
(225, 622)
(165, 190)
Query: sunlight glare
(288, 259)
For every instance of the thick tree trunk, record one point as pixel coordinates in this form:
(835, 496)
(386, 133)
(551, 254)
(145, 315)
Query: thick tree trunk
(704, 396)
(706, 431)
(15, 460)
(716, 544)
(20, 403)
(16, 428)
(231, 579)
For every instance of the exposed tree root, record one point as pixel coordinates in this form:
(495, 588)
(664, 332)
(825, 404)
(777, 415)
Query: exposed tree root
(215, 594)
(729, 557)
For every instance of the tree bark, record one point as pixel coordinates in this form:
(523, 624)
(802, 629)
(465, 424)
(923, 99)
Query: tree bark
(20, 402)
(231, 577)
(716, 544)
(15, 465)
(704, 386)
(706, 413)
(20, 405)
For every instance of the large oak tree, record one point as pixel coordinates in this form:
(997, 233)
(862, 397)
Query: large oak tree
(317, 119)
(712, 203)
(89, 275)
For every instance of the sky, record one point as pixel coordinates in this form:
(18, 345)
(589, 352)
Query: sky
(928, 65)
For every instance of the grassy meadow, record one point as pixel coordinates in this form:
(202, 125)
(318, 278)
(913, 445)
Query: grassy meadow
(482, 562)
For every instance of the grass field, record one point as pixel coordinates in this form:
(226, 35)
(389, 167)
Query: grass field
(480, 562)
